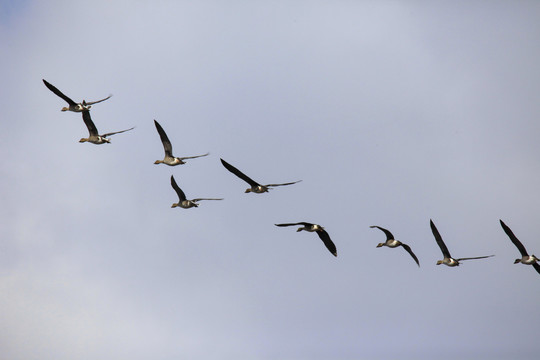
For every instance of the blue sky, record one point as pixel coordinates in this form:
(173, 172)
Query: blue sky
(392, 114)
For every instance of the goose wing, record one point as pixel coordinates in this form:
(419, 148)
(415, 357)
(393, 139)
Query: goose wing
(89, 123)
(514, 239)
(439, 240)
(164, 139)
(117, 132)
(199, 199)
(179, 191)
(193, 157)
(238, 173)
(58, 92)
(536, 266)
(389, 235)
(408, 249)
(293, 224)
(98, 101)
(477, 257)
(323, 235)
(289, 183)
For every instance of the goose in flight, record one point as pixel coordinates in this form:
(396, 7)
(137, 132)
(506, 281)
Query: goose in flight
(169, 158)
(449, 260)
(73, 106)
(255, 186)
(323, 235)
(182, 201)
(391, 242)
(525, 258)
(94, 136)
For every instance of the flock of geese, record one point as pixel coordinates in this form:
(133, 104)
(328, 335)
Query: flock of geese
(95, 138)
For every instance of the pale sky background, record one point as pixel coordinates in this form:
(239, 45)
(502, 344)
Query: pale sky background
(392, 113)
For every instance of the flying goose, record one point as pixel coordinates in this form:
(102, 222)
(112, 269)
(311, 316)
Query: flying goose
(255, 186)
(73, 106)
(169, 158)
(391, 242)
(448, 260)
(323, 235)
(183, 202)
(525, 258)
(94, 137)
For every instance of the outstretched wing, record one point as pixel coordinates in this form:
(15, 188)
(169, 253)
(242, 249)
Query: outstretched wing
(238, 173)
(293, 224)
(514, 239)
(199, 199)
(327, 241)
(439, 240)
(58, 92)
(179, 191)
(389, 235)
(536, 266)
(164, 139)
(89, 123)
(289, 183)
(117, 132)
(477, 257)
(193, 157)
(408, 249)
(98, 101)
